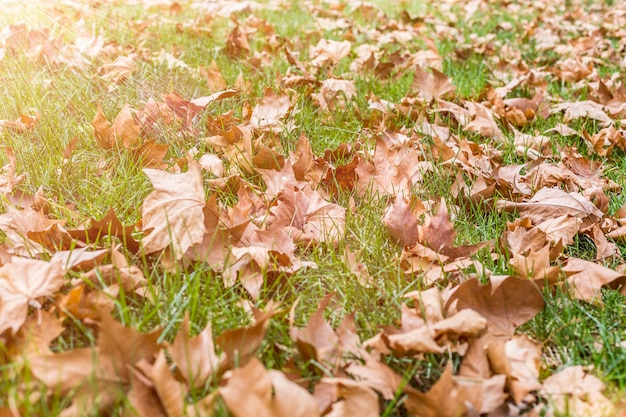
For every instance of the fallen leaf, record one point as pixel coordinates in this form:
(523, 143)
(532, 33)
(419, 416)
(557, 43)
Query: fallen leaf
(252, 390)
(572, 390)
(22, 282)
(173, 213)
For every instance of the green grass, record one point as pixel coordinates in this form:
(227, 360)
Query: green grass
(93, 180)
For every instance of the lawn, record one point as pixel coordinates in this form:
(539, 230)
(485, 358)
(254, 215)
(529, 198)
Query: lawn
(311, 208)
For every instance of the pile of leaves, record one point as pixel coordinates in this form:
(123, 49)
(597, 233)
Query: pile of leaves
(228, 195)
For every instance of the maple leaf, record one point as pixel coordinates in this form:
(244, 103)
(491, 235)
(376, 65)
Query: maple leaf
(237, 44)
(395, 169)
(252, 390)
(401, 221)
(572, 390)
(443, 399)
(320, 342)
(213, 76)
(433, 85)
(173, 213)
(587, 278)
(378, 376)
(268, 114)
(161, 390)
(108, 362)
(109, 225)
(118, 70)
(22, 124)
(240, 345)
(536, 266)
(307, 216)
(195, 357)
(35, 335)
(439, 235)
(579, 109)
(519, 359)
(22, 282)
(483, 122)
(548, 203)
(29, 232)
(506, 302)
(329, 99)
(329, 52)
(347, 398)
(8, 178)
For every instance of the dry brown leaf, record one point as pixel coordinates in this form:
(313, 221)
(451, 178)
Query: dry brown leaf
(443, 399)
(431, 85)
(354, 398)
(18, 225)
(173, 213)
(103, 131)
(270, 113)
(318, 341)
(378, 376)
(329, 52)
(109, 225)
(22, 282)
(549, 203)
(253, 391)
(171, 392)
(587, 278)
(307, 216)
(576, 392)
(401, 220)
(506, 302)
(194, 357)
(240, 345)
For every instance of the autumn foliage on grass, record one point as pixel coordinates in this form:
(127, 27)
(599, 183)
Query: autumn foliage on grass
(239, 202)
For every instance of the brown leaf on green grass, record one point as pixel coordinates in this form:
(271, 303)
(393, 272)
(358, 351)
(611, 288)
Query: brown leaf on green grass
(401, 220)
(35, 335)
(329, 52)
(438, 235)
(118, 347)
(237, 45)
(103, 131)
(253, 390)
(443, 399)
(549, 203)
(118, 70)
(173, 213)
(307, 217)
(20, 225)
(431, 85)
(378, 376)
(240, 345)
(22, 124)
(320, 342)
(23, 283)
(506, 302)
(349, 398)
(270, 113)
(194, 357)
(109, 225)
(587, 278)
(573, 390)
(535, 266)
(394, 169)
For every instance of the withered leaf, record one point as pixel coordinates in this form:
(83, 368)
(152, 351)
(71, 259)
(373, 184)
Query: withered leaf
(173, 213)
(252, 390)
(195, 356)
(506, 302)
(548, 203)
(22, 282)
